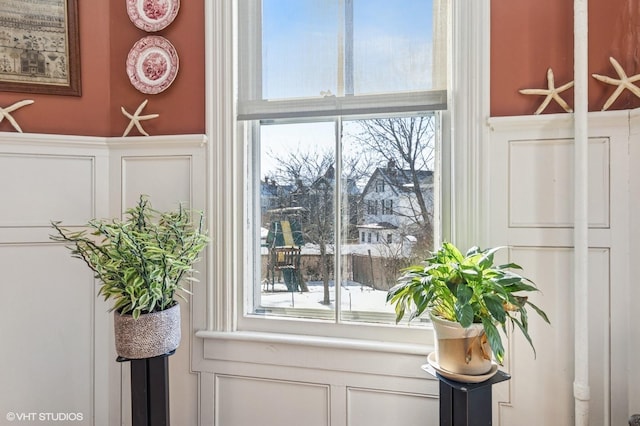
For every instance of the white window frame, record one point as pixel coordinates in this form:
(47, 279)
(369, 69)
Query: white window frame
(222, 310)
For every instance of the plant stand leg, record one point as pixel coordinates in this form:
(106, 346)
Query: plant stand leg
(466, 404)
(465, 407)
(149, 391)
(139, 393)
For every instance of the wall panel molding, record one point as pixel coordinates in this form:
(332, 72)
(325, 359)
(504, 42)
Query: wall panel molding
(367, 406)
(274, 402)
(530, 210)
(71, 178)
(47, 187)
(541, 183)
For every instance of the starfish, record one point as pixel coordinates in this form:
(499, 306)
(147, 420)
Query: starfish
(4, 113)
(552, 92)
(623, 82)
(136, 118)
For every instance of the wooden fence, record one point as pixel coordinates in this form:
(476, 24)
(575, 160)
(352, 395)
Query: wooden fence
(377, 272)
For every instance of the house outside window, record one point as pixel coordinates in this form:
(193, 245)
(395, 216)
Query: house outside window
(322, 158)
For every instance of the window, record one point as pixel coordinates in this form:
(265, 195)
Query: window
(226, 303)
(372, 207)
(345, 98)
(387, 205)
(337, 102)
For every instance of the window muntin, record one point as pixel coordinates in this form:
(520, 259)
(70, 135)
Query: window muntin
(279, 111)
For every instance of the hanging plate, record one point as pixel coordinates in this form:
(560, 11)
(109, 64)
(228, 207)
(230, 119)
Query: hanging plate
(152, 64)
(152, 15)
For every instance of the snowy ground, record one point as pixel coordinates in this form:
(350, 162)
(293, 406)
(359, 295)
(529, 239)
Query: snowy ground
(354, 297)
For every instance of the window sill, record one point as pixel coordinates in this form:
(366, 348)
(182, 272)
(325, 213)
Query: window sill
(317, 342)
(273, 352)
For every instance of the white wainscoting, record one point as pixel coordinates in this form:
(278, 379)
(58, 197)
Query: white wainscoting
(528, 205)
(57, 354)
(247, 379)
(170, 170)
(60, 356)
(530, 209)
(54, 352)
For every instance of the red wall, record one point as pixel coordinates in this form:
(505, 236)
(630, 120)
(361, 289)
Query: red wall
(529, 36)
(106, 35)
(181, 106)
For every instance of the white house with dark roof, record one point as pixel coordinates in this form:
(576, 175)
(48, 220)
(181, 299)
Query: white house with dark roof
(390, 211)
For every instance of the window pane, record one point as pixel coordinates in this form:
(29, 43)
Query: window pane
(325, 48)
(299, 48)
(297, 169)
(388, 166)
(384, 212)
(393, 46)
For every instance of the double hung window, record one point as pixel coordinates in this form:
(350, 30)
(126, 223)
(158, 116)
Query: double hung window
(338, 112)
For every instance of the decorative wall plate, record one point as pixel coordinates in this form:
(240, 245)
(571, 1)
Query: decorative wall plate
(152, 64)
(152, 15)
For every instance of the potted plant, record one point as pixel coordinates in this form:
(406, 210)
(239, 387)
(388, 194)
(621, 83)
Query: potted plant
(143, 263)
(467, 297)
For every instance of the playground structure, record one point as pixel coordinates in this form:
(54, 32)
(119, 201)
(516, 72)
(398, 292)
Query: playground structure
(284, 242)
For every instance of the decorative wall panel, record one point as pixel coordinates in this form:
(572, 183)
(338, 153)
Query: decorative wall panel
(242, 401)
(47, 311)
(170, 170)
(38, 188)
(55, 331)
(551, 367)
(367, 407)
(530, 209)
(166, 179)
(541, 183)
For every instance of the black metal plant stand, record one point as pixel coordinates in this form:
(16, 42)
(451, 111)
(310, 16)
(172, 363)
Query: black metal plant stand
(149, 390)
(466, 404)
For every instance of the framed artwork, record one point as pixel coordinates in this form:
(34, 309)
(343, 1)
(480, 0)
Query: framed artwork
(40, 47)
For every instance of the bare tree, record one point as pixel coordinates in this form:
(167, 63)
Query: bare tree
(407, 145)
(312, 178)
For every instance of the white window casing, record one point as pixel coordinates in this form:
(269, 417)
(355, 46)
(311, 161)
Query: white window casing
(464, 125)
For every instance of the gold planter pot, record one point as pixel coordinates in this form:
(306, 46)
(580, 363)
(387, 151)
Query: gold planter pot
(461, 350)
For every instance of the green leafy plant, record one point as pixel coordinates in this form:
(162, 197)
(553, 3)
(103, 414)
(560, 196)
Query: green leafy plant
(142, 261)
(467, 289)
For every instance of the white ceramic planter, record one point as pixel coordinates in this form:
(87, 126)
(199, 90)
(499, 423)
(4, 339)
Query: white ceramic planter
(150, 335)
(461, 350)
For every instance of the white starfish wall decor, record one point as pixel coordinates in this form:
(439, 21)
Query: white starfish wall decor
(5, 113)
(623, 82)
(551, 92)
(136, 118)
